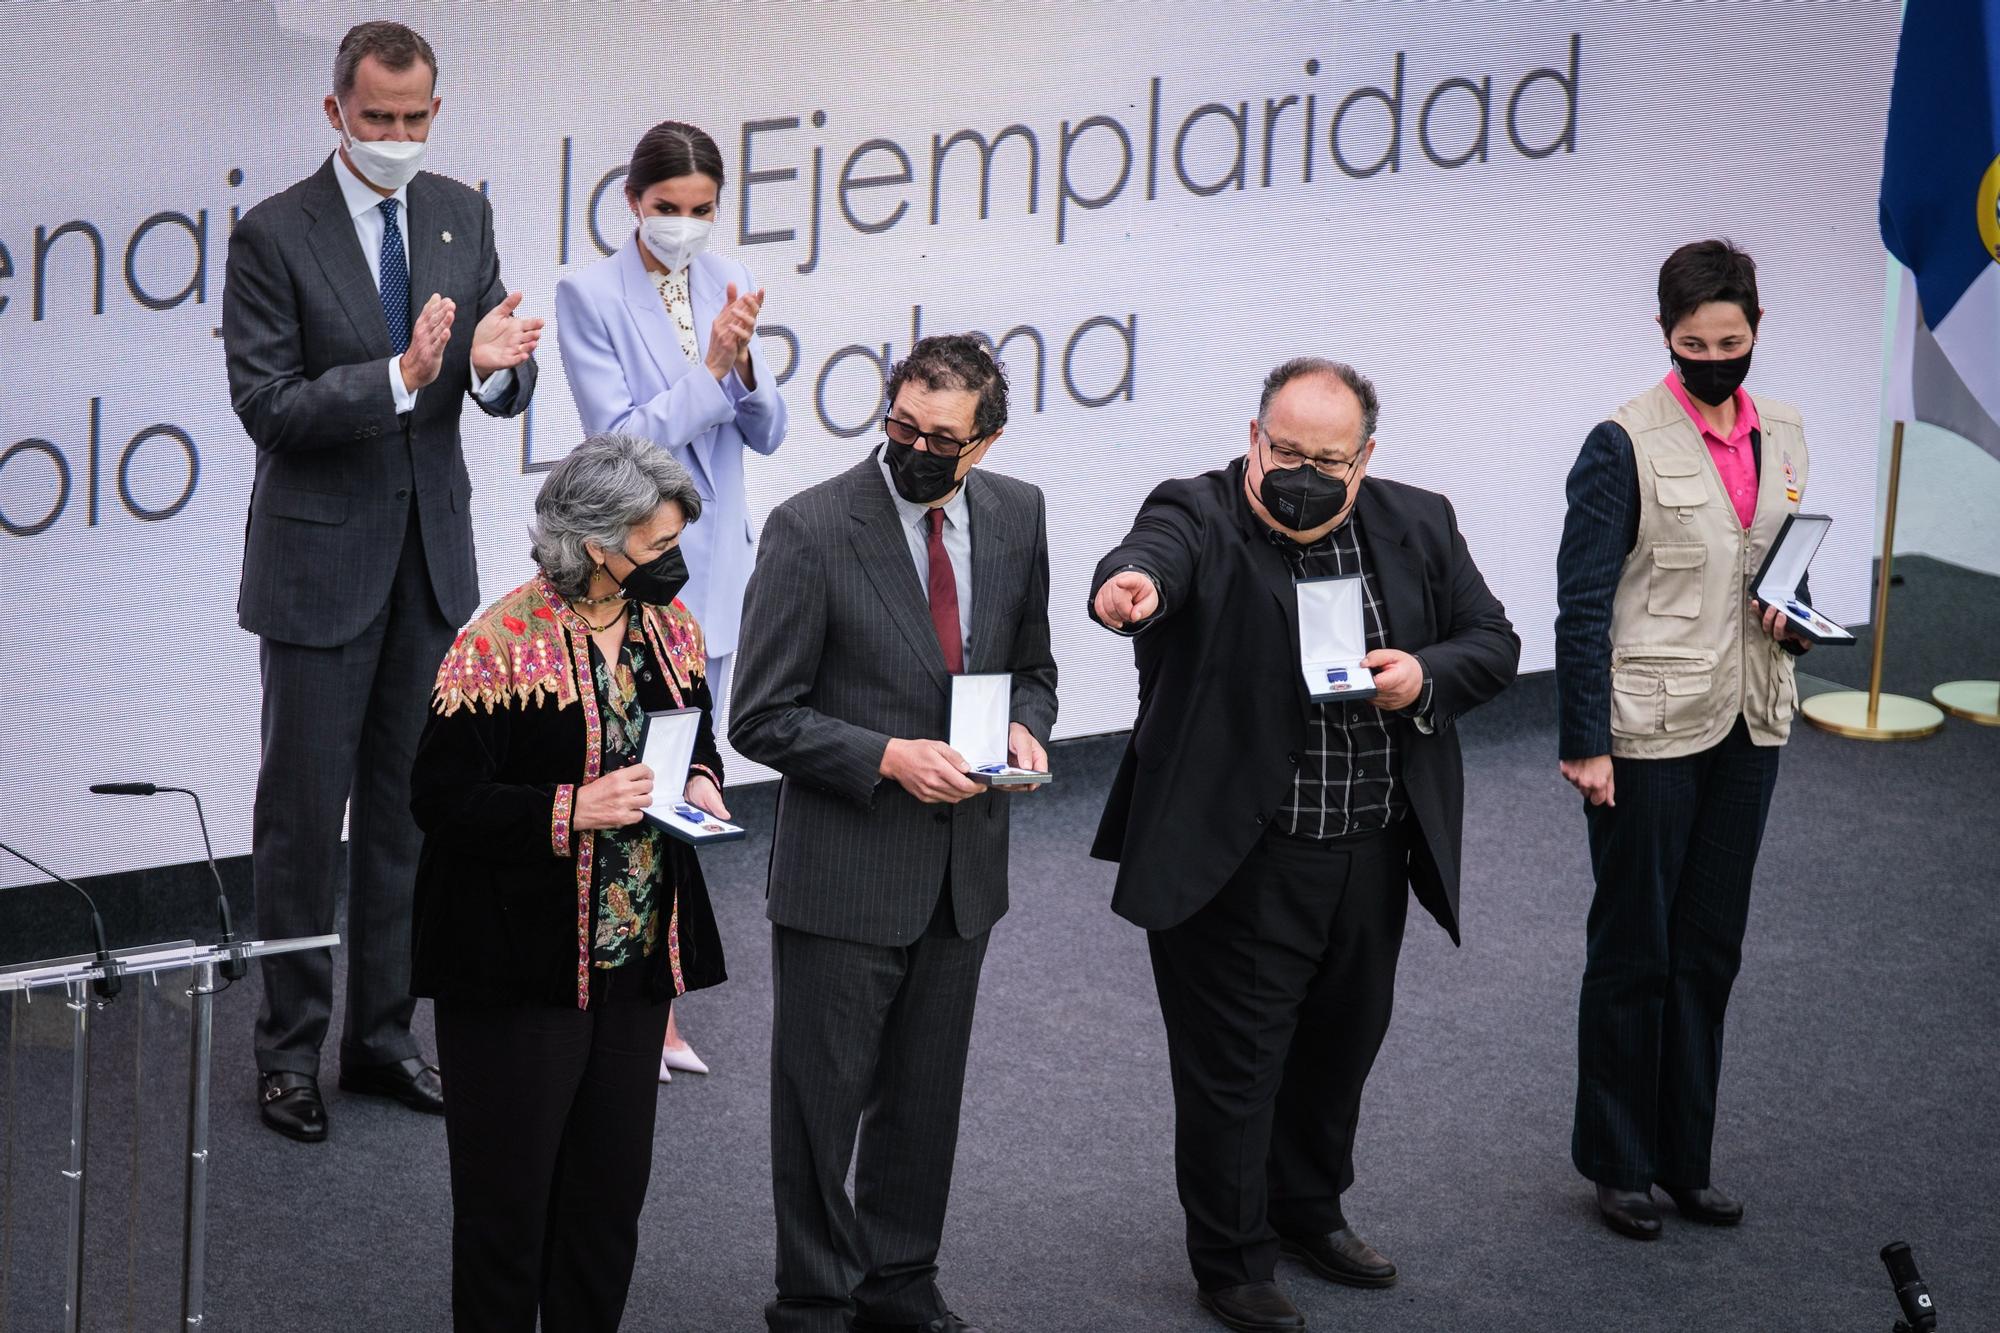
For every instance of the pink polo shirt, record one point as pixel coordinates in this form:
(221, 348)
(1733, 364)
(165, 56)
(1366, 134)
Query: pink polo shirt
(1734, 459)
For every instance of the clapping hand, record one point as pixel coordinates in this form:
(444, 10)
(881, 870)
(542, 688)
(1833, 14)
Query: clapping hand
(424, 357)
(729, 337)
(503, 339)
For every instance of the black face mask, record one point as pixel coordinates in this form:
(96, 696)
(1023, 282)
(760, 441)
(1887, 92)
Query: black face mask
(1300, 498)
(1712, 382)
(920, 478)
(658, 581)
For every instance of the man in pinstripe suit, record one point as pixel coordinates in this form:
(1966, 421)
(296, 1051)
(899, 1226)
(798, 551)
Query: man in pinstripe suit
(363, 307)
(889, 865)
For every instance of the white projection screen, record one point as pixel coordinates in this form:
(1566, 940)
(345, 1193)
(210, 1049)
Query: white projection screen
(1468, 201)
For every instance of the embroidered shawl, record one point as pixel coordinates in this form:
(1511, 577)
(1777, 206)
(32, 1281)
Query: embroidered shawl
(530, 646)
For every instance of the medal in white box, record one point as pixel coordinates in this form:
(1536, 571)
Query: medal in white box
(979, 708)
(669, 751)
(1333, 638)
(1785, 569)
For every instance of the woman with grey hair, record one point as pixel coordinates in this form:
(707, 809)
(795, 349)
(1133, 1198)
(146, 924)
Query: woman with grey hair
(554, 924)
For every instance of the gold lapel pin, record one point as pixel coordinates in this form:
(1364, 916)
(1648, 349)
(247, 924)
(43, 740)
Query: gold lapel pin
(447, 237)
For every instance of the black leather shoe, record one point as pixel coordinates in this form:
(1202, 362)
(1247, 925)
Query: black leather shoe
(1341, 1256)
(1629, 1212)
(411, 1082)
(1254, 1307)
(290, 1104)
(944, 1323)
(1706, 1205)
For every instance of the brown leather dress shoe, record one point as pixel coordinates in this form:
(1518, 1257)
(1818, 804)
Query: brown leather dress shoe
(1254, 1307)
(1629, 1212)
(411, 1082)
(291, 1104)
(1341, 1256)
(1707, 1205)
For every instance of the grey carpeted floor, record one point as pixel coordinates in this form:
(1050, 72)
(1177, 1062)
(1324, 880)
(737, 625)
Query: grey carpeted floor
(1860, 1101)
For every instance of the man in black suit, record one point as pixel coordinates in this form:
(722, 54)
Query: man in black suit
(349, 363)
(1268, 843)
(889, 865)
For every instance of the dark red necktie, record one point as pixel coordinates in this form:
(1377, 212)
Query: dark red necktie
(944, 598)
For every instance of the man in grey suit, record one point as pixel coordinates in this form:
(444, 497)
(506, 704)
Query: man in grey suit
(889, 865)
(349, 362)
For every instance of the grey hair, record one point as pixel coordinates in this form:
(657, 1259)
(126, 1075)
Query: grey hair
(1300, 366)
(607, 486)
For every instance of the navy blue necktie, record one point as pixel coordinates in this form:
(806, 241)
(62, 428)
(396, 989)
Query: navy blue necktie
(395, 275)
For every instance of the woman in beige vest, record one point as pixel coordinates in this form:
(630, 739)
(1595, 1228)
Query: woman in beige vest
(1676, 695)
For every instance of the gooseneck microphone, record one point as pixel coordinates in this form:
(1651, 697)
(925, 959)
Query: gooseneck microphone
(1919, 1312)
(111, 982)
(232, 968)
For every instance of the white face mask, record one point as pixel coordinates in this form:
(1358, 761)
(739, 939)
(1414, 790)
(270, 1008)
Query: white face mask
(675, 241)
(387, 164)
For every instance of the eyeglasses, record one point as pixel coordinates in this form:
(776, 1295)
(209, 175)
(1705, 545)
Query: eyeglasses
(944, 446)
(1334, 469)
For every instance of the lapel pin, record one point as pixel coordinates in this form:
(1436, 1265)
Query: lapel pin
(447, 237)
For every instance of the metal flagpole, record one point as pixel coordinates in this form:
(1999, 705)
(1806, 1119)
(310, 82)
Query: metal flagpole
(1873, 715)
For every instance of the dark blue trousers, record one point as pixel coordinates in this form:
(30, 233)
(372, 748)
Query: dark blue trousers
(1674, 860)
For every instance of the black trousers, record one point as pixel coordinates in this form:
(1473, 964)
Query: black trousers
(1276, 997)
(868, 1048)
(549, 1115)
(1674, 859)
(340, 730)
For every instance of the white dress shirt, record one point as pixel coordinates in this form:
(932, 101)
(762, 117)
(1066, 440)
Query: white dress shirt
(957, 546)
(364, 207)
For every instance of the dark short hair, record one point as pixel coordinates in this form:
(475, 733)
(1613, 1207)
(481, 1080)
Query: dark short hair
(1704, 271)
(1301, 366)
(957, 361)
(396, 46)
(672, 148)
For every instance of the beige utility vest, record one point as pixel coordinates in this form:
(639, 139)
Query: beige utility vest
(1687, 653)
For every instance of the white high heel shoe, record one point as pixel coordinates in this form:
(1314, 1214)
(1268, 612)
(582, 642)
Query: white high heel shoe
(682, 1058)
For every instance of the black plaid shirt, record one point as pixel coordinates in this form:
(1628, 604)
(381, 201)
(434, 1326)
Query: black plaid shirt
(1348, 775)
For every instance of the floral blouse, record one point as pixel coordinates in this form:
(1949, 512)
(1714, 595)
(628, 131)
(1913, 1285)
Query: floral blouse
(629, 860)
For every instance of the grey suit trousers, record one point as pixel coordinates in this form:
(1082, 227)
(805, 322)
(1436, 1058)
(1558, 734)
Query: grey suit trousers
(868, 1047)
(340, 729)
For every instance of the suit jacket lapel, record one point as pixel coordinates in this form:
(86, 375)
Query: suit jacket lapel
(1274, 571)
(990, 544)
(885, 556)
(649, 312)
(346, 269)
(705, 297)
(705, 302)
(656, 331)
(423, 225)
(1399, 575)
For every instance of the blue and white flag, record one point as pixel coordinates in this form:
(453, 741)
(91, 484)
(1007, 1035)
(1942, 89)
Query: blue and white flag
(1941, 216)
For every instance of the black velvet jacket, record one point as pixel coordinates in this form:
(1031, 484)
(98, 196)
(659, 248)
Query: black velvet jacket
(504, 904)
